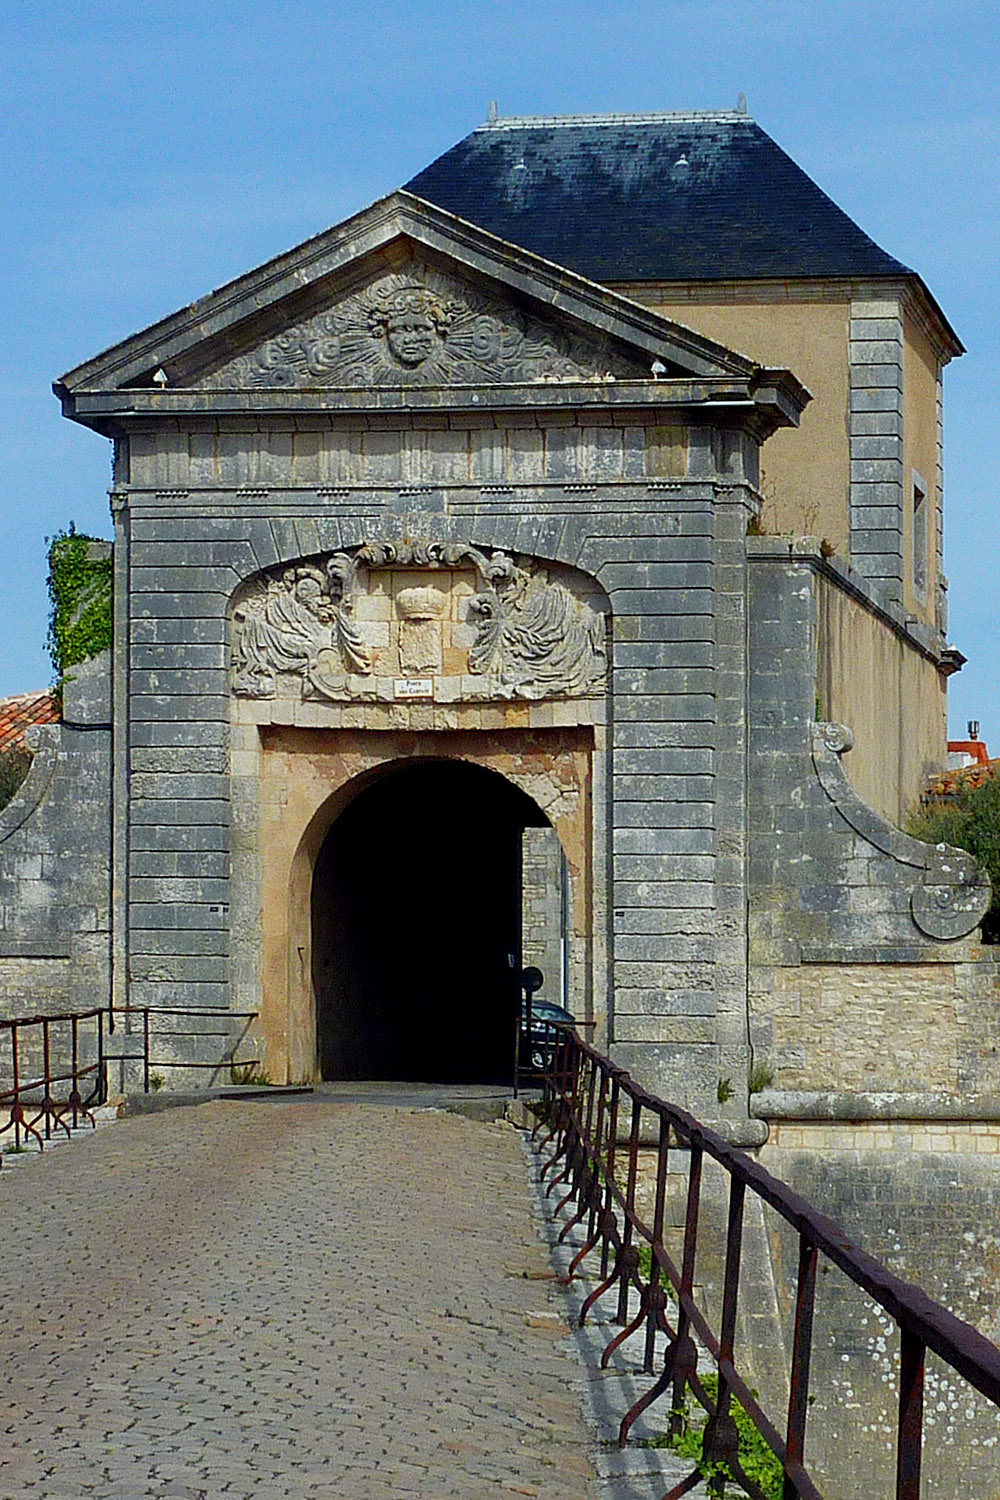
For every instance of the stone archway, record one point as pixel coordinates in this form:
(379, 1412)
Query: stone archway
(309, 778)
(416, 916)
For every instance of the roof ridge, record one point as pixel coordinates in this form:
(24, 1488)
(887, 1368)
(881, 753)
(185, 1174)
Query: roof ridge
(649, 117)
(30, 693)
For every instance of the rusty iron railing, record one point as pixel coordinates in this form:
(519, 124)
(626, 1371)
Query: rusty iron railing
(51, 1074)
(54, 1069)
(146, 1037)
(596, 1129)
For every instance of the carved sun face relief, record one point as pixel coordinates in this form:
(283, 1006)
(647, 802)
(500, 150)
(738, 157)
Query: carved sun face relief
(349, 626)
(422, 327)
(413, 323)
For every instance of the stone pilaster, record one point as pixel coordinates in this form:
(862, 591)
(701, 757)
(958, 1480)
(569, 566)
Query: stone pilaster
(876, 438)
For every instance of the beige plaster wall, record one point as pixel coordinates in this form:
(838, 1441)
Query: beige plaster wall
(307, 777)
(805, 471)
(892, 697)
(920, 452)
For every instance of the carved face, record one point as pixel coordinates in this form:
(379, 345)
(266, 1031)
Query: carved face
(411, 335)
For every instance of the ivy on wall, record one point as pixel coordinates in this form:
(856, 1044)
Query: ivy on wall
(80, 621)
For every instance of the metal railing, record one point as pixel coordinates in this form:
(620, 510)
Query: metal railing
(54, 1069)
(598, 1124)
(38, 1056)
(147, 1035)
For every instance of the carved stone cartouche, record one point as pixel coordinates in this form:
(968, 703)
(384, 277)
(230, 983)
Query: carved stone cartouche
(531, 638)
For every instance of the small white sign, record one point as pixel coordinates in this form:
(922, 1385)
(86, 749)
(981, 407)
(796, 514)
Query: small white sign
(413, 687)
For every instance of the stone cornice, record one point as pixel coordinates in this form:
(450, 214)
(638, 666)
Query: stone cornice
(774, 398)
(401, 217)
(916, 299)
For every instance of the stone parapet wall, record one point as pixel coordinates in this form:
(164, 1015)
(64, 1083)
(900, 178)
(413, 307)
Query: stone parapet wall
(932, 1027)
(55, 847)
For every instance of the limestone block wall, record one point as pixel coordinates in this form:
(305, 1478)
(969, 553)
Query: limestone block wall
(669, 555)
(850, 919)
(55, 847)
(923, 1196)
(543, 915)
(886, 1027)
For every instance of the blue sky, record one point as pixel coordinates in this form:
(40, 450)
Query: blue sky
(154, 151)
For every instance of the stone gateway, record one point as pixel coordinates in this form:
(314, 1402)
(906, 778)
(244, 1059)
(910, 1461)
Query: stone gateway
(543, 565)
(453, 491)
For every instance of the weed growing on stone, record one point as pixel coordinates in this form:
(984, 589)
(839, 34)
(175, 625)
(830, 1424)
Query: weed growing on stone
(248, 1073)
(761, 1077)
(756, 1458)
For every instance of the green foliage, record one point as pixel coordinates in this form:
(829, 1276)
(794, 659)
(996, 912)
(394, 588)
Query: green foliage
(761, 1077)
(645, 1252)
(14, 767)
(250, 1073)
(80, 595)
(971, 821)
(756, 1458)
(724, 1090)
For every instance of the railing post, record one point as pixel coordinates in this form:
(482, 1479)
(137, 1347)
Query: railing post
(610, 1168)
(798, 1396)
(596, 1164)
(720, 1443)
(912, 1355)
(74, 1097)
(625, 1282)
(687, 1279)
(102, 1066)
(46, 1082)
(15, 1060)
(654, 1291)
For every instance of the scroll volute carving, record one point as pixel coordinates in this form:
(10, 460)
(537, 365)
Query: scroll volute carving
(332, 627)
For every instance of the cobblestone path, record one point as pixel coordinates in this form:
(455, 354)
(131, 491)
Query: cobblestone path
(282, 1300)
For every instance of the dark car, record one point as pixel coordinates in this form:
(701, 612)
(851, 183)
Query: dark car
(539, 1045)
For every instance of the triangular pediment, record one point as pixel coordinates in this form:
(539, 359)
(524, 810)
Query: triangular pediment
(404, 295)
(413, 320)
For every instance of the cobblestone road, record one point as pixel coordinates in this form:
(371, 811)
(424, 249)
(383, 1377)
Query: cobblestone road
(282, 1300)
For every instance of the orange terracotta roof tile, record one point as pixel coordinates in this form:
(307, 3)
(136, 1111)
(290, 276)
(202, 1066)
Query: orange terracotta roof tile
(962, 779)
(19, 713)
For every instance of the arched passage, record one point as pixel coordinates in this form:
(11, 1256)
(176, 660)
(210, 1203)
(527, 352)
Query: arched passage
(416, 904)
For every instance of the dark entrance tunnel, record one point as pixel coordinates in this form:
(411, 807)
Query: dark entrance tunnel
(416, 914)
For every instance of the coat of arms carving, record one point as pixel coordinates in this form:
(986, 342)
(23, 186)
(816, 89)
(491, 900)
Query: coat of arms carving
(506, 630)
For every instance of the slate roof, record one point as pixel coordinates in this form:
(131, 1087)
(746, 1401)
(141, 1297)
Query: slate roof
(659, 197)
(20, 712)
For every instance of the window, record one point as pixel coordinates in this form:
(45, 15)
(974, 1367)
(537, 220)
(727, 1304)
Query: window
(920, 537)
